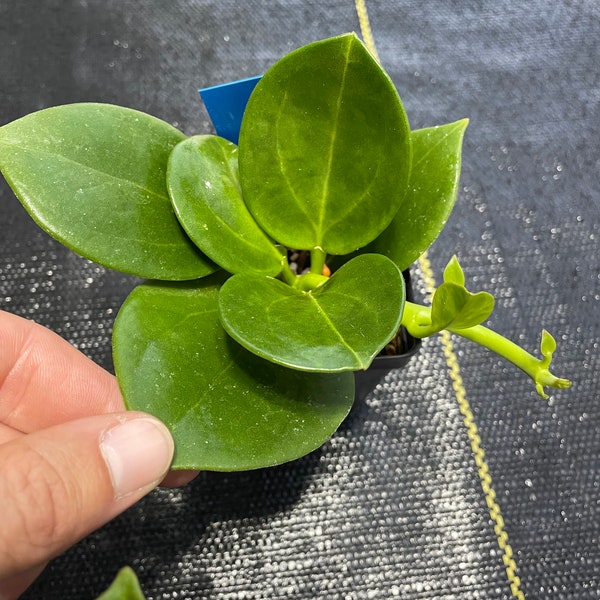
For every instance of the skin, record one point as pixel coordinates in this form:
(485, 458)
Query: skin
(56, 407)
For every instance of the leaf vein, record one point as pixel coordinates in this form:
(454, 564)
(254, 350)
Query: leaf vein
(66, 159)
(332, 145)
(281, 161)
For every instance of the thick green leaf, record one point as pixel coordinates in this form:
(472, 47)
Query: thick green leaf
(431, 194)
(203, 182)
(325, 148)
(341, 325)
(454, 306)
(226, 408)
(125, 587)
(93, 177)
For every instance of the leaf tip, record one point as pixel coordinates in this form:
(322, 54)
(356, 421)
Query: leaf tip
(453, 273)
(544, 377)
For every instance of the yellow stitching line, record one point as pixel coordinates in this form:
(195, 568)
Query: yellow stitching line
(365, 27)
(458, 387)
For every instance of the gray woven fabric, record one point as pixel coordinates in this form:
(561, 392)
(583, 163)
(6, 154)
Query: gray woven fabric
(393, 506)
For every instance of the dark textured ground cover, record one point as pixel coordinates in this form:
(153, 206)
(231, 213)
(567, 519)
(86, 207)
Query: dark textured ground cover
(393, 505)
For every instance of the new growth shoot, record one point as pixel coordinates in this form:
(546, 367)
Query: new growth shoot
(459, 311)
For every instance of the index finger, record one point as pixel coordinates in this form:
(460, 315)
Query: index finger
(45, 381)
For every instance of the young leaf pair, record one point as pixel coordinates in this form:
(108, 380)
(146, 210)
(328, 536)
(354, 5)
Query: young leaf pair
(459, 311)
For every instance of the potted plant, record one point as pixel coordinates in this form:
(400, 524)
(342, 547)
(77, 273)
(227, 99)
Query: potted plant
(248, 359)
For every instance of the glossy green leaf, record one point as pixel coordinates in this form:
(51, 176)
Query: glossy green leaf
(454, 306)
(203, 182)
(226, 408)
(124, 587)
(430, 196)
(325, 148)
(341, 325)
(93, 177)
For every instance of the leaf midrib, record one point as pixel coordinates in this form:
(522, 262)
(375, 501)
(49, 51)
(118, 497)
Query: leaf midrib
(334, 134)
(66, 159)
(325, 317)
(447, 133)
(130, 184)
(216, 376)
(301, 205)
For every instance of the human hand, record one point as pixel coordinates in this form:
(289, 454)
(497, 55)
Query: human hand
(71, 457)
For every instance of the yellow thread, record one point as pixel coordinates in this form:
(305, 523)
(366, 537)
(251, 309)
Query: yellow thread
(458, 387)
(365, 27)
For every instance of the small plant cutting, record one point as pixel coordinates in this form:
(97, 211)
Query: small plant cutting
(243, 351)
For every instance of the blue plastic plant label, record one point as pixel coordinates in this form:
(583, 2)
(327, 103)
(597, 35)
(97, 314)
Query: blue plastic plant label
(226, 104)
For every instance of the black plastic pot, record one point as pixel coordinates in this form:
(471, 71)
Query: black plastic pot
(365, 381)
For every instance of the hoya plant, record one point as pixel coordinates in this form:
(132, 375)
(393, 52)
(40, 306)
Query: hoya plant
(273, 266)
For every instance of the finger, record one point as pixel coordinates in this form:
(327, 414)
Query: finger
(172, 479)
(59, 484)
(45, 381)
(13, 586)
(178, 478)
(8, 433)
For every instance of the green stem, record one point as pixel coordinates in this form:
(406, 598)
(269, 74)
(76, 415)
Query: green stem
(417, 320)
(287, 274)
(317, 260)
(308, 281)
(535, 367)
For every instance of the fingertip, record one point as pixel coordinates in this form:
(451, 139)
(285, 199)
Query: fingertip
(137, 451)
(176, 479)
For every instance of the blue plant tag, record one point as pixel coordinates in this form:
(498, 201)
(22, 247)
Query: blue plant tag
(226, 104)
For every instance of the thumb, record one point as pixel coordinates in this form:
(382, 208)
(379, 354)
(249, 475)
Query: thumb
(59, 484)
